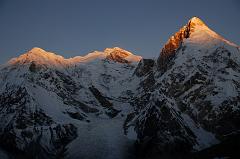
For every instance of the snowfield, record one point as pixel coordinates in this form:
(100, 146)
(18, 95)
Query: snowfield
(113, 104)
(103, 139)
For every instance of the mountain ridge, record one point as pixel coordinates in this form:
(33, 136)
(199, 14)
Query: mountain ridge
(186, 99)
(104, 104)
(195, 32)
(41, 56)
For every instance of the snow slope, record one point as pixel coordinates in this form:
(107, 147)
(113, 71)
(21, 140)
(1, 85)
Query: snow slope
(110, 103)
(47, 101)
(103, 139)
(192, 96)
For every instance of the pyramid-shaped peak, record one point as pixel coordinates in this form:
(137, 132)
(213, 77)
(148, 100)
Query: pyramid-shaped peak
(196, 33)
(37, 52)
(38, 56)
(195, 29)
(196, 21)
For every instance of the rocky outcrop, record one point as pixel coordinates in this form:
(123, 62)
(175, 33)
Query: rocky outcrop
(144, 67)
(24, 129)
(175, 42)
(181, 105)
(193, 102)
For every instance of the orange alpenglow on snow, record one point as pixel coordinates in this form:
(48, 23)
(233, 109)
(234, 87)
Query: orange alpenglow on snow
(39, 56)
(115, 54)
(119, 55)
(174, 42)
(195, 32)
(42, 57)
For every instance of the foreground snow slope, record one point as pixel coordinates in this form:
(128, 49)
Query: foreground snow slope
(101, 104)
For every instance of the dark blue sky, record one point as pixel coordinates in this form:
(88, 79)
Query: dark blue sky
(76, 27)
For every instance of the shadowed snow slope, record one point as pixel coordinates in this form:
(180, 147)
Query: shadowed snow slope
(190, 99)
(46, 101)
(107, 103)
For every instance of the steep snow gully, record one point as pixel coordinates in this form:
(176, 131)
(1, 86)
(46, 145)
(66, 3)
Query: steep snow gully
(113, 104)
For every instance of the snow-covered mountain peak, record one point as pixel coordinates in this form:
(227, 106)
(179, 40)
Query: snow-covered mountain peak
(195, 34)
(52, 107)
(199, 33)
(196, 21)
(195, 29)
(39, 56)
(116, 50)
(36, 50)
(114, 54)
(120, 55)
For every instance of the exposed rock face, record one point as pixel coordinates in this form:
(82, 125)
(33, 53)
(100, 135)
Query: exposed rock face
(163, 130)
(24, 128)
(44, 98)
(193, 101)
(144, 67)
(186, 101)
(175, 42)
(104, 102)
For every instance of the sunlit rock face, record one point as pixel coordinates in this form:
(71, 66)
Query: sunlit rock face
(189, 101)
(195, 32)
(145, 66)
(107, 102)
(175, 41)
(172, 45)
